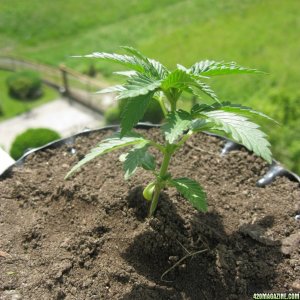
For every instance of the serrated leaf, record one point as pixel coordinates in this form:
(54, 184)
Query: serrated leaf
(241, 130)
(178, 79)
(182, 80)
(176, 124)
(126, 60)
(242, 110)
(135, 158)
(112, 89)
(159, 68)
(151, 66)
(126, 73)
(138, 85)
(230, 107)
(213, 68)
(134, 111)
(199, 125)
(107, 145)
(192, 191)
(245, 111)
(206, 89)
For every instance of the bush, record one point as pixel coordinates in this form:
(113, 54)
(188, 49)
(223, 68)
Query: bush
(32, 138)
(24, 85)
(1, 110)
(112, 115)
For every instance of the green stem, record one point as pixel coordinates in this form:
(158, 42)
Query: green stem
(160, 181)
(162, 105)
(173, 106)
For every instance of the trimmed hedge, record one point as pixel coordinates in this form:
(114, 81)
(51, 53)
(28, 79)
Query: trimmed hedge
(32, 138)
(24, 85)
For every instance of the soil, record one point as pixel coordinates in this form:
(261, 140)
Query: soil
(89, 237)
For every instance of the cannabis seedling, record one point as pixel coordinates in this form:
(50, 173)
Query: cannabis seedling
(148, 80)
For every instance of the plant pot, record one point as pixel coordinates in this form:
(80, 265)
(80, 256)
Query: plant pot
(89, 238)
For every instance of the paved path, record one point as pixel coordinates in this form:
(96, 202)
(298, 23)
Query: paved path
(58, 115)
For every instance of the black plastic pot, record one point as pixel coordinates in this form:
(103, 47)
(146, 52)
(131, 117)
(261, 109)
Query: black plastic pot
(274, 170)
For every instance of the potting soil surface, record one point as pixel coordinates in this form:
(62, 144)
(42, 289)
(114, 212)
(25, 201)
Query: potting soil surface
(89, 237)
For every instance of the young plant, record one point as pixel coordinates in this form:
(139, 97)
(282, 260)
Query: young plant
(148, 80)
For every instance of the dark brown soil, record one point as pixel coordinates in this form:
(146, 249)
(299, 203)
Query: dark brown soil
(89, 238)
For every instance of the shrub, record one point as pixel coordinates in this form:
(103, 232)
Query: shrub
(112, 115)
(24, 85)
(32, 138)
(1, 110)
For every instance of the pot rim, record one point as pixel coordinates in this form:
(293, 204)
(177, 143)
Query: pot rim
(275, 169)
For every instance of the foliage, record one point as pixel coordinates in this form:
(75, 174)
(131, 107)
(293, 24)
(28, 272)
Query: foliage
(112, 115)
(12, 107)
(148, 80)
(32, 138)
(24, 85)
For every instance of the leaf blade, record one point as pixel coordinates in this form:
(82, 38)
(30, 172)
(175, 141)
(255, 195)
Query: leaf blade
(213, 68)
(138, 157)
(192, 191)
(151, 66)
(176, 124)
(134, 110)
(107, 145)
(126, 60)
(138, 85)
(241, 130)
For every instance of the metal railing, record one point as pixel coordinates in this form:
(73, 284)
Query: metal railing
(72, 84)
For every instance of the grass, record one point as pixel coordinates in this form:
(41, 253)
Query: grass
(255, 33)
(12, 107)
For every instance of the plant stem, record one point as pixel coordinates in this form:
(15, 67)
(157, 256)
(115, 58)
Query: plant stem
(173, 106)
(160, 180)
(162, 105)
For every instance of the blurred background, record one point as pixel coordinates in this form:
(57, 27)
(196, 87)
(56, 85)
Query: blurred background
(38, 38)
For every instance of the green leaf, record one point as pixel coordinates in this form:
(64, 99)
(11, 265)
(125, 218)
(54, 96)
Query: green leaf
(241, 130)
(107, 145)
(151, 66)
(126, 73)
(243, 111)
(138, 85)
(133, 111)
(230, 107)
(138, 157)
(206, 89)
(131, 62)
(192, 191)
(182, 80)
(177, 122)
(178, 79)
(213, 68)
(112, 89)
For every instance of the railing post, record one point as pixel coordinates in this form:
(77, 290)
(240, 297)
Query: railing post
(65, 87)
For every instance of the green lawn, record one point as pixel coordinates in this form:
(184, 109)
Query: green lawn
(12, 107)
(263, 34)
